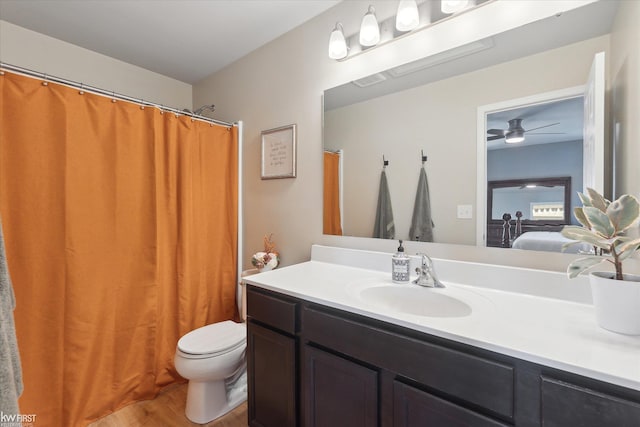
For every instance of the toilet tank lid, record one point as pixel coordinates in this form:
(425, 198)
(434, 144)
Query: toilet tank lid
(215, 338)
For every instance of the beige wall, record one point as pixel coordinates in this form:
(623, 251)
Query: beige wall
(444, 126)
(282, 83)
(625, 112)
(28, 49)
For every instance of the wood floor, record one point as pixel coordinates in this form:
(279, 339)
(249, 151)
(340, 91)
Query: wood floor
(167, 410)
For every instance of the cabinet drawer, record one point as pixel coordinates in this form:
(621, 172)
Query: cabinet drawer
(271, 310)
(480, 382)
(565, 404)
(413, 407)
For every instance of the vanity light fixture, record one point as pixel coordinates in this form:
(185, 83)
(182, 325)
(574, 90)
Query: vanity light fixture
(407, 17)
(411, 16)
(369, 29)
(453, 6)
(338, 48)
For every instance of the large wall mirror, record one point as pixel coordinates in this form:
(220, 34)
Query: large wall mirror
(425, 115)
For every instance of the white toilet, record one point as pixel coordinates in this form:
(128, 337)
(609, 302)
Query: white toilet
(213, 359)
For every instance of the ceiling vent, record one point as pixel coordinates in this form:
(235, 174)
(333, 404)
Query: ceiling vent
(442, 57)
(370, 80)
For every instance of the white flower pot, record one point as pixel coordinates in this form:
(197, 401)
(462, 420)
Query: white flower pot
(617, 302)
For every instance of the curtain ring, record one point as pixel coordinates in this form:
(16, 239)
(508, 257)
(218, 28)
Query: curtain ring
(1, 72)
(141, 104)
(45, 82)
(113, 97)
(81, 92)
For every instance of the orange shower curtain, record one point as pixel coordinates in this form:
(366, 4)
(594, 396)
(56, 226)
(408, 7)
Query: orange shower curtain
(331, 206)
(121, 233)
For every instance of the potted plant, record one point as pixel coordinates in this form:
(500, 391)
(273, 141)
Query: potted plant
(268, 259)
(604, 225)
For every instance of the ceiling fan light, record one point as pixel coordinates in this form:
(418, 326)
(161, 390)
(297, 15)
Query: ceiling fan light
(453, 6)
(337, 43)
(369, 29)
(514, 137)
(407, 17)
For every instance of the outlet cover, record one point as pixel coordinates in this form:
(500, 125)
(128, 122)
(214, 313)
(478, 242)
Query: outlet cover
(465, 211)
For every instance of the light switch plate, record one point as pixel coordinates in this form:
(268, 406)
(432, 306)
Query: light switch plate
(465, 211)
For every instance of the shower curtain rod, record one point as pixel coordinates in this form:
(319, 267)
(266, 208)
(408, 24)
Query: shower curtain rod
(112, 94)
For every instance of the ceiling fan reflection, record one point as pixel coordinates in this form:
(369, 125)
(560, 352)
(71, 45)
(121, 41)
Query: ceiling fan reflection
(515, 132)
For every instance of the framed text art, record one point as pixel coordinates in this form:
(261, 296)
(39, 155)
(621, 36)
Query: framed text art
(279, 152)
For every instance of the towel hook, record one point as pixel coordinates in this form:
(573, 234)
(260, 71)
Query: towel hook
(424, 158)
(385, 162)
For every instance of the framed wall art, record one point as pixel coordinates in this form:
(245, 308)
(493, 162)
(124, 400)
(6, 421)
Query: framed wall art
(279, 152)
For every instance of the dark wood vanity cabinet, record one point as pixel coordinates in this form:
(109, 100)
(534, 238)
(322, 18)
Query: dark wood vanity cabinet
(272, 360)
(314, 366)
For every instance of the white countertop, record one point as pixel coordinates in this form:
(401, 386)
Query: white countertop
(555, 332)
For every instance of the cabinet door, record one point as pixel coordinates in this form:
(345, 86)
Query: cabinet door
(415, 408)
(271, 373)
(338, 392)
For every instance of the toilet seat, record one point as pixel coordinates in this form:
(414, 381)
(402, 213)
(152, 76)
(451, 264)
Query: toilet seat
(213, 340)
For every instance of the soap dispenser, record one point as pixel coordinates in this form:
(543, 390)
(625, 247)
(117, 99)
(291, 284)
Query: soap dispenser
(400, 266)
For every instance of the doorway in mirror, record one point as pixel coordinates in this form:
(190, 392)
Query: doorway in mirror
(547, 136)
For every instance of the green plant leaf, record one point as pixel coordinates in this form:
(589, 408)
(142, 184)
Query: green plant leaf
(599, 221)
(597, 201)
(586, 201)
(581, 234)
(628, 246)
(623, 212)
(581, 264)
(582, 219)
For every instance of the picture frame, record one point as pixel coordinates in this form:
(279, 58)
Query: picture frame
(279, 152)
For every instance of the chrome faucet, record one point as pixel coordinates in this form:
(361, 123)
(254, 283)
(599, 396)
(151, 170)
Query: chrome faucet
(426, 274)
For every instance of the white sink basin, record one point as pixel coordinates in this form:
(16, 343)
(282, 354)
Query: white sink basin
(410, 299)
(417, 300)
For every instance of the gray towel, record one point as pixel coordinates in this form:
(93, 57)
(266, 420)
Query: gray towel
(10, 370)
(421, 223)
(384, 227)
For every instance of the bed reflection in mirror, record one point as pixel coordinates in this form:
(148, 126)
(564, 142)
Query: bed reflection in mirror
(530, 214)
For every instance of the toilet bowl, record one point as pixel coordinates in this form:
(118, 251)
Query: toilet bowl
(213, 359)
(207, 357)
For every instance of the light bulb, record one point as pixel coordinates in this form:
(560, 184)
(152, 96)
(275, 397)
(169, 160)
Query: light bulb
(453, 6)
(514, 137)
(337, 43)
(369, 29)
(407, 17)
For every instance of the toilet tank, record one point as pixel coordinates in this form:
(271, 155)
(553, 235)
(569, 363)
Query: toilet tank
(241, 297)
